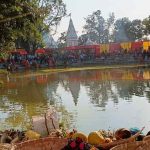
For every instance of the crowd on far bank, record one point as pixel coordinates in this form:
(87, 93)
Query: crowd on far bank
(57, 58)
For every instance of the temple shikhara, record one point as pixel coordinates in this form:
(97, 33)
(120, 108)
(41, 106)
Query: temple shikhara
(72, 38)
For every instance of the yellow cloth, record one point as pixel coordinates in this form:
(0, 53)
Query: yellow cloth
(104, 48)
(126, 45)
(146, 45)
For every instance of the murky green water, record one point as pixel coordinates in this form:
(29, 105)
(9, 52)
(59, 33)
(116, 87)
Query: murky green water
(86, 100)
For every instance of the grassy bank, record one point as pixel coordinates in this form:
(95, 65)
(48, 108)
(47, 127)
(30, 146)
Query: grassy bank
(3, 71)
(72, 69)
(92, 68)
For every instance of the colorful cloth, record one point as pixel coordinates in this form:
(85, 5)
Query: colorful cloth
(114, 47)
(134, 130)
(126, 45)
(104, 48)
(97, 50)
(146, 45)
(78, 144)
(136, 45)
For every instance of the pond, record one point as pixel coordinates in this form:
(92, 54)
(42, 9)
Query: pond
(86, 100)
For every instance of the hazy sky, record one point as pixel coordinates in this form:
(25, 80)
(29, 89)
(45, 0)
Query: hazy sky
(80, 9)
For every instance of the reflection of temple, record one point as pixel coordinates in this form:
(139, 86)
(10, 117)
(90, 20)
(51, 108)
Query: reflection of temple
(74, 89)
(51, 92)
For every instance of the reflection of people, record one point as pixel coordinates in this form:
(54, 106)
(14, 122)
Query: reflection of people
(8, 79)
(11, 67)
(26, 64)
(34, 63)
(53, 62)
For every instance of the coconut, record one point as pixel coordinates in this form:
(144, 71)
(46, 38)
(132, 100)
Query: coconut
(122, 134)
(95, 138)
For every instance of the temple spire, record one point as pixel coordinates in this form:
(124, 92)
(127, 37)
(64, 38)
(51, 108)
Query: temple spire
(69, 15)
(72, 38)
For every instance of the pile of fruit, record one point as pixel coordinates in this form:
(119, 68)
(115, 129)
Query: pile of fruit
(97, 140)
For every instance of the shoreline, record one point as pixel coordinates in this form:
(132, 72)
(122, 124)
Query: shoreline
(83, 67)
(100, 67)
(78, 67)
(48, 71)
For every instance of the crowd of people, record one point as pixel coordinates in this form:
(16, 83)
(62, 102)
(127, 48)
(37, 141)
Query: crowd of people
(54, 59)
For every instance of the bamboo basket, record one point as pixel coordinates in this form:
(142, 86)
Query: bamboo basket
(47, 143)
(121, 141)
(141, 145)
(5, 147)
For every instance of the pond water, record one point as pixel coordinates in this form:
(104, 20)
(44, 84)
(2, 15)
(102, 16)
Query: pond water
(86, 100)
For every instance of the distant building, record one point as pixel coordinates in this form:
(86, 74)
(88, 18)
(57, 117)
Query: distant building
(72, 38)
(89, 42)
(49, 41)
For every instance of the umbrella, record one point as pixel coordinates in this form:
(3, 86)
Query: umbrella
(23, 52)
(20, 51)
(40, 51)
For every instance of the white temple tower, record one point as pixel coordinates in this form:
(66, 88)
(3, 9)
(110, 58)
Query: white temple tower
(72, 38)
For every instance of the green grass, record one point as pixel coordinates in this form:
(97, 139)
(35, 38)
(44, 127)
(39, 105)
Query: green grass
(90, 68)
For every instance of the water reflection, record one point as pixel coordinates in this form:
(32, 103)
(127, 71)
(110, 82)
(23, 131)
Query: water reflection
(78, 96)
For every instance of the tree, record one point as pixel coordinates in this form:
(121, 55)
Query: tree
(146, 23)
(23, 22)
(126, 30)
(98, 28)
(110, 27)
(136, 30)
(83, 39)
(121, 28)
(62, 40)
